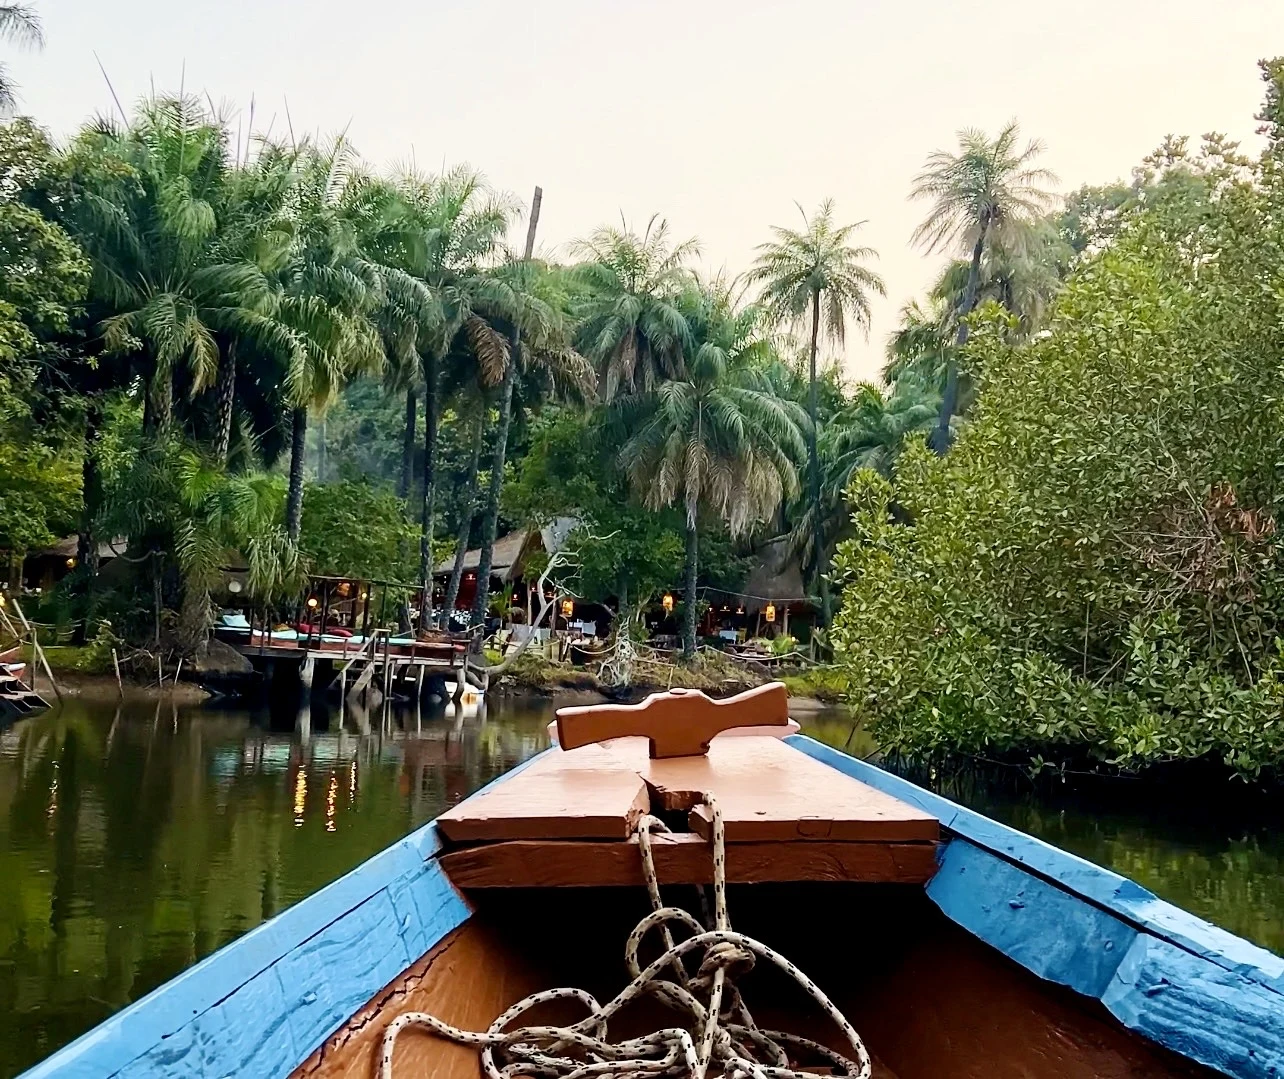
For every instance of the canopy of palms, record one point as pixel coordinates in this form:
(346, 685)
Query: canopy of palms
(718, 442)
(816, 275)
(167, 281)
(989, 191)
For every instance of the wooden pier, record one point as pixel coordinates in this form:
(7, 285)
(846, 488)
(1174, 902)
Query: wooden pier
(382, 662)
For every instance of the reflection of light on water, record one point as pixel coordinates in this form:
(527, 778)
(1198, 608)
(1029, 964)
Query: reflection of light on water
(300, 796)
(53, 793)
(331, 796)
(352, 782)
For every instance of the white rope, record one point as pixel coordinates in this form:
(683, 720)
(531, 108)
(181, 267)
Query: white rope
(718, 1036)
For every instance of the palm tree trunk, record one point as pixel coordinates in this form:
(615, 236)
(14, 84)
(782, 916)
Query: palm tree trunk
(91, 489)
(692, 574)
(941, 438)
(298, 447)
(813, 466)
(429, 492)
(158, 407)
(321, 456)
(465, 526)
(226, 395)
(490, 521)
(408, 447)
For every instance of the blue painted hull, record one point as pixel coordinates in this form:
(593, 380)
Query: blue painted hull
(261, 1005)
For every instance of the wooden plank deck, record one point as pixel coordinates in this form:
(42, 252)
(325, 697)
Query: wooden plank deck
(568, 820)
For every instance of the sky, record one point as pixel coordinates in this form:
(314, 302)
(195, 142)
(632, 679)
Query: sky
(719, 115)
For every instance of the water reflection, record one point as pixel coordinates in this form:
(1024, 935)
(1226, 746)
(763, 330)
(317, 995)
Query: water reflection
(132, 845)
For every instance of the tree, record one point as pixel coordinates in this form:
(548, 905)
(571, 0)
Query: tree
(329, 292)
(1091, 577)
(630, 325)
(165, 285)
(454, 227)
(529, 303)
(21, 25)
(987, 191)
(816, 275)
(717, 441)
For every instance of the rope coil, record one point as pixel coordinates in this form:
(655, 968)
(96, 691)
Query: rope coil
(719, 1038)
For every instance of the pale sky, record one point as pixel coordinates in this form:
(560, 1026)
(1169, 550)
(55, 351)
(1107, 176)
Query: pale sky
(717, 114)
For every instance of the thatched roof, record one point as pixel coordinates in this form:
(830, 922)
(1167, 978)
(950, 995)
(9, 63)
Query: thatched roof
(775, 577)
(507, 552)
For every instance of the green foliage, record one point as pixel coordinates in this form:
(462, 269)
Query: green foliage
(1093, 571)
(357, 528)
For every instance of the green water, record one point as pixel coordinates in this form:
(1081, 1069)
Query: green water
(135, 841)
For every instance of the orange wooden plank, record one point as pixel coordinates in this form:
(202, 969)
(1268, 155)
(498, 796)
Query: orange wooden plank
(682, 859)
(769, 791)
(589, 794)
(678, 723)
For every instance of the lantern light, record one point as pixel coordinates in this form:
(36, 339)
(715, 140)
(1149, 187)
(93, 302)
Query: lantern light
(71, 562)
(740, 609)
(667, 602)
(234, 586)
(2, 599)
(770, 612)
(344, 588)
(313, 603)
(568, 608)
(365, 595)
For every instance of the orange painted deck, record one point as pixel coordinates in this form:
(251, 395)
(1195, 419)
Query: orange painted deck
(567, 819)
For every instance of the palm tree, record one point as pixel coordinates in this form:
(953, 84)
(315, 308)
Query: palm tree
(453, 229)
(989, 191)
(20, 24)
(329, 292)
(817, 272)
(718, 441)
(166, 285)
(528, 302)
(629, 322)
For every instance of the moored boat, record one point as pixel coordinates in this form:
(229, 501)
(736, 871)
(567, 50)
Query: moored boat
(914, 937)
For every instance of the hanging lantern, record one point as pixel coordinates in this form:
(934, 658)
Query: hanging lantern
(770, 612)
(667, 602)
(344, 588)
(365, 595)
(313, 603)
(71, 562)
(740, 609)
(568, 608)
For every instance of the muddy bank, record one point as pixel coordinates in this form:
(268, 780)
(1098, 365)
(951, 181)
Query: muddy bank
(103, 687)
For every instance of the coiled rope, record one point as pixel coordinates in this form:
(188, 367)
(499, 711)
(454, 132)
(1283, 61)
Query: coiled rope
(719, 1037)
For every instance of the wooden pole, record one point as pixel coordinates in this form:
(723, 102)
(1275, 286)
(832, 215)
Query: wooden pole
(179, 670)
(160, 674)
(37, 653)
(115, 660)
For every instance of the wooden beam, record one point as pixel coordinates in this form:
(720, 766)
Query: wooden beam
(679, 723)
(682, 859)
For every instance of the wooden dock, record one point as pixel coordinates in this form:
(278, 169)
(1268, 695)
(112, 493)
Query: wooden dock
(388, 664)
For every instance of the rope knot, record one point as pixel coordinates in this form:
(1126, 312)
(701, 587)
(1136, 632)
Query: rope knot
(726, 956)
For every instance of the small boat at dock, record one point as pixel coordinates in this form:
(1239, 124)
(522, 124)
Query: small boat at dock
(688, 886)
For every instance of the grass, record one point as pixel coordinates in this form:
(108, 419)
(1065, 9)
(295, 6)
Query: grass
(821, 683)
(84, 659)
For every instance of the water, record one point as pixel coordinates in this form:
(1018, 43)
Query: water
(133, 842)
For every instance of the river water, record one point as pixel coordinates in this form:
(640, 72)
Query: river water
(135, 840)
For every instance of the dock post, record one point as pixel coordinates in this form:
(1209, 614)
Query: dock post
(419, 688)
(461, 681)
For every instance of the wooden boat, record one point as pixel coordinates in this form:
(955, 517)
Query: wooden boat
(954, 945)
